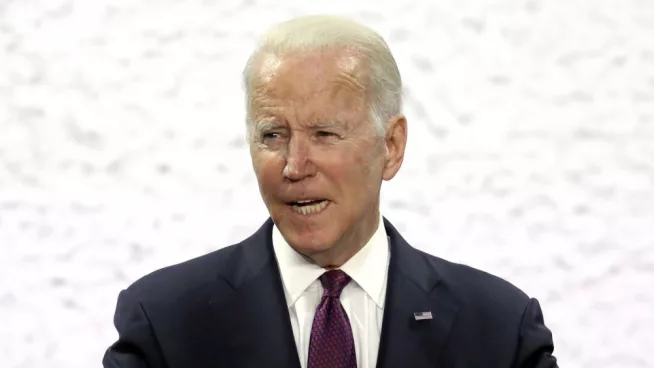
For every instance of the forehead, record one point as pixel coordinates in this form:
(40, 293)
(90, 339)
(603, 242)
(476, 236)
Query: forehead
(327, 78)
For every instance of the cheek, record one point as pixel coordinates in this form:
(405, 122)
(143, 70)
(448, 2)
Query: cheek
(266, 169)
(353, 177)
(357, 166)
(263, 160)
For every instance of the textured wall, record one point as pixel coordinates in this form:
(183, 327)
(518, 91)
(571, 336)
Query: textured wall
(531, 156)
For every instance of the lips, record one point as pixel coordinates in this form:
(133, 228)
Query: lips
(305, 202)
(308, 206)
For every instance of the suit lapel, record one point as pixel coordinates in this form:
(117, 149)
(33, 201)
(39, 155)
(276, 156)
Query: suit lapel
(256, 325)
(413, 286)
(259, 328)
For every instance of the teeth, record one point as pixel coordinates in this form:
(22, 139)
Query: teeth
(305, 201)
(314, 208)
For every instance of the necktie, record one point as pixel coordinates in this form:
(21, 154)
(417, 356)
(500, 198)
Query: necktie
(332, 343)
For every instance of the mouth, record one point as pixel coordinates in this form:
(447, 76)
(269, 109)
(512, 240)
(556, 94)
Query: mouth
(309, 206)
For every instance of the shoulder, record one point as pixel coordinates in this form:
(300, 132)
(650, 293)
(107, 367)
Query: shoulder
(218, 272)
(479, 289)
(178, 280)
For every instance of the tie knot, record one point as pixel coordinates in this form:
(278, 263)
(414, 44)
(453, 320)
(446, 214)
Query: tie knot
(333, 282)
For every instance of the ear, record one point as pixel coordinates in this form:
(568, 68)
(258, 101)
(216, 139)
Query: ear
(395, 142)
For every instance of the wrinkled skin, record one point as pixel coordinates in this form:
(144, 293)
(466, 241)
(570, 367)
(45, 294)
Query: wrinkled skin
(313, 139)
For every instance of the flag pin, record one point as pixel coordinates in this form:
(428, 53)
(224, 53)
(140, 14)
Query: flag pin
(419, 316)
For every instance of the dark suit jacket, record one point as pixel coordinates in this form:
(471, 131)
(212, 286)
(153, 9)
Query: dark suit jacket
(227, 309)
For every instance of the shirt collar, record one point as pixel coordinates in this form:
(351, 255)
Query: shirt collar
(368, 268)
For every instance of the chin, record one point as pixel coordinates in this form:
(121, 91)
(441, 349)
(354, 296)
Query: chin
(308, 240)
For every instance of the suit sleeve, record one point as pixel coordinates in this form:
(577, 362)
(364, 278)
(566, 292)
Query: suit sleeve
(137, 346)
(535, 345)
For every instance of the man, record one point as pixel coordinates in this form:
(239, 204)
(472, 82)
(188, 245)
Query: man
(326, 281)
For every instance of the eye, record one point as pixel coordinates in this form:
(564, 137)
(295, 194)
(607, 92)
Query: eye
(270, 135)
(322, 133)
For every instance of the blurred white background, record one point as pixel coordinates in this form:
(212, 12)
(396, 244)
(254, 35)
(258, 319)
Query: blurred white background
(531, 156)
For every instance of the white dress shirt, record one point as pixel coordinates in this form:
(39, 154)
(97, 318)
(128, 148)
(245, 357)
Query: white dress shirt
(363, 298)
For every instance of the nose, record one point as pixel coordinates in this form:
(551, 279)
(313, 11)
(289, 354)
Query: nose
(298, 162)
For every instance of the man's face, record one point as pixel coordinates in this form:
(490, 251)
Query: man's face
(317, 159)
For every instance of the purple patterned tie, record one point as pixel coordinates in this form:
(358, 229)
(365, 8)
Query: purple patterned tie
(332, 343)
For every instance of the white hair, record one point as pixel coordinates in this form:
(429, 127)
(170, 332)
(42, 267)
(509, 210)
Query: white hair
(319, 32)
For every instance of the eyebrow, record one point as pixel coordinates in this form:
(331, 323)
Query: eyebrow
(329, 124)
(264, 126)
(268, 125)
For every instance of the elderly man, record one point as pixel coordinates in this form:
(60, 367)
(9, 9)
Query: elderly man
(326, 281)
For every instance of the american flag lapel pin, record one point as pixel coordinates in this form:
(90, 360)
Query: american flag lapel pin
(419, 316)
